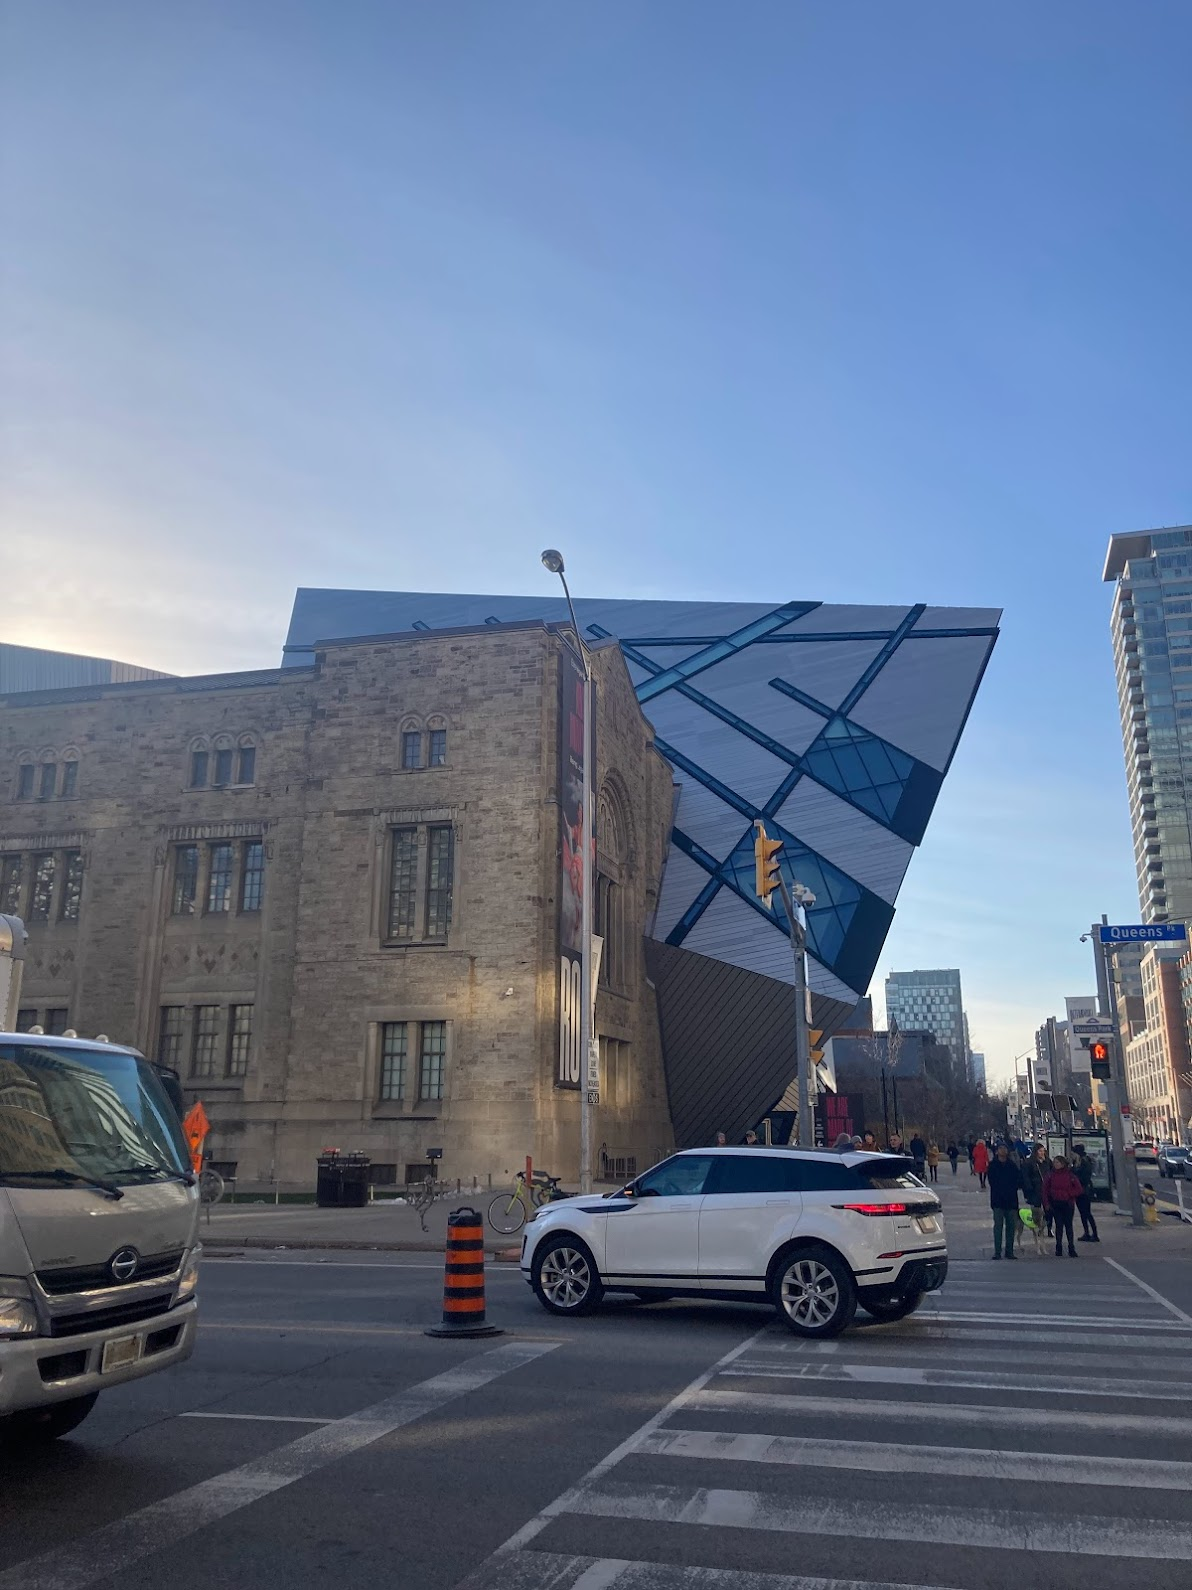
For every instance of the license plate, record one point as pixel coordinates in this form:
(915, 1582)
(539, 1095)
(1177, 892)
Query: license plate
(121, 1350)
(927, 1224)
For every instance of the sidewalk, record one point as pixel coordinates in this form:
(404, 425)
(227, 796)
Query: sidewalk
(390, 1226)
(970, 1225)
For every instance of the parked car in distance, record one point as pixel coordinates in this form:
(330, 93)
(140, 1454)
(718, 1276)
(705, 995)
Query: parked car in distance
(1146, 1154)
(812, 1232)
(1173, 1160)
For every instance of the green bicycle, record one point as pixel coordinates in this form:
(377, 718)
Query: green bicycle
(508, 1212)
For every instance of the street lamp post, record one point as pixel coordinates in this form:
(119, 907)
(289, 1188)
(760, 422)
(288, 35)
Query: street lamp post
(553, 561)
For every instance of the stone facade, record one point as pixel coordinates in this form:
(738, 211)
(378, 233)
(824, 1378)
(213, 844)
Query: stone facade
(329, 895)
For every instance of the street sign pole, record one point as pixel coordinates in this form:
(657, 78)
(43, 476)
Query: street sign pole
(1127, 1193)
(798, 927)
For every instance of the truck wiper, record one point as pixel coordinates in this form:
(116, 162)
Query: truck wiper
(156, 1170)
(69, 1178)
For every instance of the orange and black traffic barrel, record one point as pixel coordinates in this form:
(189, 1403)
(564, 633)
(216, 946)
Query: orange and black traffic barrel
(463, 1282)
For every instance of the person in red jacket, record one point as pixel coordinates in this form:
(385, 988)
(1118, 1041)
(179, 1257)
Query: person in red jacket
(1061, 1189)
(981, 1161)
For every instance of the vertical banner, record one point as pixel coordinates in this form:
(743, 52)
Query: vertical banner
(571, 883)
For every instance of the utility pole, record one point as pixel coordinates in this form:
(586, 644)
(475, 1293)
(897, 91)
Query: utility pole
(1128, 1199)
(589, 1090)
(768, 880)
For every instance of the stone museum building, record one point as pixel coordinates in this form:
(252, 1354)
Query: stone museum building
(328, 895)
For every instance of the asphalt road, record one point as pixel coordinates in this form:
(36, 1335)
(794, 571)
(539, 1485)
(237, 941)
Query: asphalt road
(1032, 1424)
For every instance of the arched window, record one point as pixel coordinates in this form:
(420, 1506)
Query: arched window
(411, 744)
(609, 911)
(246, 760)
(25, 774)
(223, 761)
(200, 759)
(47, 774)
(69, 786)
(436, 741)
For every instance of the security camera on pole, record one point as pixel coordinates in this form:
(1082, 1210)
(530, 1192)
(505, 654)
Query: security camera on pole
(768, 879)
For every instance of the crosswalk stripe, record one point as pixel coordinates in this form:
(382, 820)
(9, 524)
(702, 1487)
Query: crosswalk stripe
(888, 1458)
(548, 1570)
(963, 1379)
(912, 1334)
(985, 1528)
(973, 1334)
(970, 1414)
(989, 1317)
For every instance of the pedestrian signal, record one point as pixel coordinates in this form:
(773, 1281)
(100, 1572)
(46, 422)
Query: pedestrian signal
(765, 865)
(1099, 1060)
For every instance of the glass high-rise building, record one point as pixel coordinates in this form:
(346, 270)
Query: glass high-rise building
(1152, 651)
(930, 1002)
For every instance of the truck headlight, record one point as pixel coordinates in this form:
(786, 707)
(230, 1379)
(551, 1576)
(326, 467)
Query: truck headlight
(18, 1317)
(189, 1278)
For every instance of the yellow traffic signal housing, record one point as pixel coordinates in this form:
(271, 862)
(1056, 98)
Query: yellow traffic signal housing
(765, 865)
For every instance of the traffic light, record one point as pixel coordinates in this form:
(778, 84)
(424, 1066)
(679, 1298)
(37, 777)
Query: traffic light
(1099, 1060)
(815, 1039)
(765, 865)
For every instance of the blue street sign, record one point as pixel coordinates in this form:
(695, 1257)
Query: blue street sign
(1143, 933)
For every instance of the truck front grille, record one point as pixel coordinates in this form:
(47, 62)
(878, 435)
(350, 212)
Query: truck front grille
(90, 1277)
(98, 1319)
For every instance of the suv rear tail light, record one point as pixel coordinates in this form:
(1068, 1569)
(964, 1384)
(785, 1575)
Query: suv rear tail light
(875, 1209)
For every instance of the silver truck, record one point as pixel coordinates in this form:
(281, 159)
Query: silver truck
(99, 1247)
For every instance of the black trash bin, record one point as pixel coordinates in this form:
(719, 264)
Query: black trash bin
(329, 1184)
(353, 1187)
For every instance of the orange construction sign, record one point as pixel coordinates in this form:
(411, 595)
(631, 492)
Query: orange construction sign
(196, 1126)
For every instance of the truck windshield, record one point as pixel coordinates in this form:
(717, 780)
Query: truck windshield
(84, 1114)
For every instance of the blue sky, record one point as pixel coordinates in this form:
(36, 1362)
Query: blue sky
(812, 299)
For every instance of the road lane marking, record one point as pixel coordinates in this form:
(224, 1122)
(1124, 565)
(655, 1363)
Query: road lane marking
(1149, 1290)
(238, 1263)
(313, 1328)
(890, 1458)
(964, 1379)
(986, 1528)
(263, 1418)
(1115, 1323)
(548, 1570)
(869, 1340)
(971, 1414)
(537, 1524)
(108, 1550)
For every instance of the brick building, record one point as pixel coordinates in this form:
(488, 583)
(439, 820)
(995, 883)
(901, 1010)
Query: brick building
(329, 896)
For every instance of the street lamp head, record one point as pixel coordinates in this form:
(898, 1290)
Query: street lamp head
(552, 560)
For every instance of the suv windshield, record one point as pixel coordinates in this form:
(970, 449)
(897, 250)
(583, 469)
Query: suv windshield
(93, 1114)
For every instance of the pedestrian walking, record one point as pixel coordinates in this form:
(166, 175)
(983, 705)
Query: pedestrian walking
(980, 1161)
(953, 1156)
(750, 1138)
(869, 1143)
(919, 1155)
(972, 1157)
(1005, 1183)
(721, 1140)
(843, 1144)
(933, 1161)
(1083, 1166)
(1034, 1168)
(895, 1144)
(1061, 1189)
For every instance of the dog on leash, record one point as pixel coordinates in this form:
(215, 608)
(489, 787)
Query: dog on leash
(1032, 1221)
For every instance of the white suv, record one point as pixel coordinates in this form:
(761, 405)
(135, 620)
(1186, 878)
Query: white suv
(811, 1231)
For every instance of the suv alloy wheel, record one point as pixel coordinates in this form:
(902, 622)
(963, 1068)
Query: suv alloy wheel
(565, 1277)
(814, 1292)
